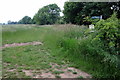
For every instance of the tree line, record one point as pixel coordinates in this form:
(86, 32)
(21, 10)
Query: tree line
(77, 12)
(74, 12)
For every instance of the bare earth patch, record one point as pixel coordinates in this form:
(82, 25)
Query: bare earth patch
(21, 44)
(63, 71)
(28, 72)
(67, 72)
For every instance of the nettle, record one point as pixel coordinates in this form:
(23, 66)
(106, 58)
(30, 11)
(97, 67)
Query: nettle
(109, 32)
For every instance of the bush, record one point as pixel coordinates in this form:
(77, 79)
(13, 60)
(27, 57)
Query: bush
(101, 46)
(88, 21)
(109, 32)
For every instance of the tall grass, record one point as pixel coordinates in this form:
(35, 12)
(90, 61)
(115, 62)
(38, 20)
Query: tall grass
(74, 44)
(16, 34)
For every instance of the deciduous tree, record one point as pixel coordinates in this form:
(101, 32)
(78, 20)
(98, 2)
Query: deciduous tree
(25, 20)
(47, 15)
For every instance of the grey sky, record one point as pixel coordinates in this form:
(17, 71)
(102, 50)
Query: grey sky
(14, 10)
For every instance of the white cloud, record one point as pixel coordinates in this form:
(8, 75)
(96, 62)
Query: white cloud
(16, 9)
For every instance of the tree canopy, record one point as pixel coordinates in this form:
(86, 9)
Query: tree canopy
(75, 12)
(25, 20)
(47, 15)
(12, 22)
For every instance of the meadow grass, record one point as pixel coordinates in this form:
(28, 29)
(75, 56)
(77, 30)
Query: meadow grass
(0, 51)
(28, 57)
(22, 35)
(69, 43)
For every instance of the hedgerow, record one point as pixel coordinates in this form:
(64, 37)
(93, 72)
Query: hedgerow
(101, 47)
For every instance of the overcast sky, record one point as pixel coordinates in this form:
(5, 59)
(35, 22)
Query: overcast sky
(14, 10)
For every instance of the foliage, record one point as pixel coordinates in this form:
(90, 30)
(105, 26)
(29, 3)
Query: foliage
(12, 22)
(47, 15)
(75, 12)
(71, 10)
(61, 20)
(88, 49)
(87, 21)
(25, 20)
(109, 33)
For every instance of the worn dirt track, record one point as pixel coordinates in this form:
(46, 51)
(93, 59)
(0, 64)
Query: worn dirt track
(21, 44)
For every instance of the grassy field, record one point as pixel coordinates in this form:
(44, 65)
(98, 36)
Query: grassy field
(63, 46)
(32, 57)
(39, 57)
(0, 51)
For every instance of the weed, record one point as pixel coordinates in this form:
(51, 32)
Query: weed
(80, 77)
(57, 76)
(70, 70)
(74, 72)
(57, 72)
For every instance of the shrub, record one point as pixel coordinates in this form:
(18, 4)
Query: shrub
(88, 20)
(101, 46)
(109, 32)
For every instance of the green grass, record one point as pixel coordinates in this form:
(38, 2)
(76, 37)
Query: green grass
(34, 57)
(57, 76)
(23, 35)
(80, 77)
(0, 51)
(57, 72)
(60, 43)
(28, 57)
